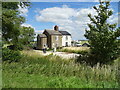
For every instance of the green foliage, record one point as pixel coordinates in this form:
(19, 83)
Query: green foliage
(36, 71)
(11, 20)
(11, 25)
(10, 55)
(102, 35)
(26, 35)
(19, 46)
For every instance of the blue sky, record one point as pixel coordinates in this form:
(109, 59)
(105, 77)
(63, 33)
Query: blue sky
(69, 16)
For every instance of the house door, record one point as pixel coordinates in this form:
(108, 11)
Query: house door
(66, 44)
(56, 45)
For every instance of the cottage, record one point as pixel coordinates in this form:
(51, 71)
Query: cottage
(53, 38)
(66, 38)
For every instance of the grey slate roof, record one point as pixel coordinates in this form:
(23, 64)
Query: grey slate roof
(53, 32)
(64, 33)
(42, 35)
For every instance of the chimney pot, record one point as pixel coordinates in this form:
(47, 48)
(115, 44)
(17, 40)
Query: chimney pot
(56, 28)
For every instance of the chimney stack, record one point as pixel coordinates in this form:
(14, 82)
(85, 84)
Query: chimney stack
(56, 28)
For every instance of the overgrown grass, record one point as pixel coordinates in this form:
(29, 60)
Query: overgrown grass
(78, 50)
(0, 75)
(36, 71)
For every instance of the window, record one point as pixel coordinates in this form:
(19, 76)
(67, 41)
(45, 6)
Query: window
(56, 38)
(66, 37)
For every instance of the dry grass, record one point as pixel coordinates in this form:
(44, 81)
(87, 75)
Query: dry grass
(77, 48)
(31, 53)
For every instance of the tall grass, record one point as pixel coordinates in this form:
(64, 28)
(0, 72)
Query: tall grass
(0, 75)
(51, 71)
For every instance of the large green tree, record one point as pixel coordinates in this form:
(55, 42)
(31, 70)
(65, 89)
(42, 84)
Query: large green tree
(102, 35)
(26, 35)
(11, 20)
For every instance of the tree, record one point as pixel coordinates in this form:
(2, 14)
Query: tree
(11, 20)
(102, 36)
(26, 35)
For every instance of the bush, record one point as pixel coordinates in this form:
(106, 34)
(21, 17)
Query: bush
(88, 59)
(19, 47)
(93, 59)
(30, 46)
(10, 55)
(16, 47)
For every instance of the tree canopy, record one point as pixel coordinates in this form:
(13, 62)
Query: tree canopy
(26, 35)
(102, 35)
(11, 20)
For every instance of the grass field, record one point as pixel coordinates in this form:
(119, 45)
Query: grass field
(84, 41)
(36, 71)
(77, 50)
(0, 75)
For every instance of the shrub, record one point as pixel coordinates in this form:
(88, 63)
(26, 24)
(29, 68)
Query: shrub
(19, 46)
(10, 55)
(89, 59)
(59, 47)
(93, 59)
(49, 49)
(29, 46)
(16, 47)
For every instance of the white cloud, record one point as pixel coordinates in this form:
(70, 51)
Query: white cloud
(23, 10)
(54, 14)
(36, 31)
(69, 19)
(113, 19)
(28, 25)
(39, 31)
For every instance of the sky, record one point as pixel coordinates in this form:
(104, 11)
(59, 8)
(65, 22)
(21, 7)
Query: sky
(69, 16)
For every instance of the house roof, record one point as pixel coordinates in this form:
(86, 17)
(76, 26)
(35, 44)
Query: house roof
(53, 32)
(64, 33)
(85, 44)
(42, 35)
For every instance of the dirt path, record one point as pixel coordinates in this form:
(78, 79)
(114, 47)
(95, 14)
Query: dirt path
(65, 55)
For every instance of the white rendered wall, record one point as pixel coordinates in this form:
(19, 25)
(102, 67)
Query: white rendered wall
(64, 40)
